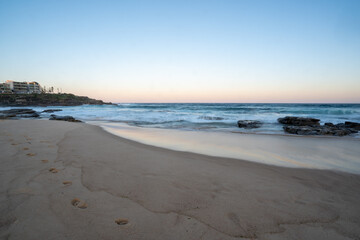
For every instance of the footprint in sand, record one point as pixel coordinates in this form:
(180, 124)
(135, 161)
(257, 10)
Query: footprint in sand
(45, 161)
(27, 138)
(67, 183)
(31, 154)
(121, 221)
(78, 203)
(53, 170)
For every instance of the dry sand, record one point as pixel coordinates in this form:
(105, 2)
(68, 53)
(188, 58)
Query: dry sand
(95, 185)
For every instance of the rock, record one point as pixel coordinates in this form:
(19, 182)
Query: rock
(63, 118)
(32, 115)
(249, 124)
(300, 130)
(340, 125)
(326, 129)
(51, 110)
(329, 124)
(7, 116)
(299, 121)
(341, 132)
(353, 125)
(291, 129)
(18, 112)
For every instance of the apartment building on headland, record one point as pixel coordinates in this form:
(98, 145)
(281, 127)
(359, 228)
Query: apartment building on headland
(20, 87)
(5, 88)
(34, 87)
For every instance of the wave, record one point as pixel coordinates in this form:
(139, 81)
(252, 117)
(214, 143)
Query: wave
(211, 118)
(318, 112)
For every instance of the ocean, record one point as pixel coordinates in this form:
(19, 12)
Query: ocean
(208, 116)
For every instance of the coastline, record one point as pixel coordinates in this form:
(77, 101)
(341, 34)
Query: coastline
(163, 194)
(218, 117)
(332, 153)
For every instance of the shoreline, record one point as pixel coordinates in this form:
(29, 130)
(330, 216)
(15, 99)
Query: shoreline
(279, 150)
(75, 181)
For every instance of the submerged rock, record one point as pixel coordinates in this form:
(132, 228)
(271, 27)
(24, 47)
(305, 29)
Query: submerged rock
(51, 110)
(299, 121)
(249, 124)
(63, 118)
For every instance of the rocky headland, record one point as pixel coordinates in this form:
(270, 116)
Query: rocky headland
(46, 99)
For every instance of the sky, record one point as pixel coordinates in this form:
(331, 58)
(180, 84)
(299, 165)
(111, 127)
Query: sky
(187, 50)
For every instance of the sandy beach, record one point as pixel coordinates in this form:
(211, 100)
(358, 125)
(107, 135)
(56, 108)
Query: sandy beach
(63, 180)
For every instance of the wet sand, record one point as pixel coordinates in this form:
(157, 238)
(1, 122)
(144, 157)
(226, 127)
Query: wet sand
(320, 152)
(63, 180)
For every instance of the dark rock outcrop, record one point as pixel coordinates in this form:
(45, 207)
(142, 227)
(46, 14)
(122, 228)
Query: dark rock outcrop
(301, 130)
(51, 110)
(18, 113)
(249, 124)
(299, 121)
(353, 125)
(311, 126)
(329, 124)
(318, 130)
(63, 118)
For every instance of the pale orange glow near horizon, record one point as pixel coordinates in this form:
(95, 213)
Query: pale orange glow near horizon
(234, 96)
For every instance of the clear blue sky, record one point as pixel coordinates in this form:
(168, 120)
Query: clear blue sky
(186, 51)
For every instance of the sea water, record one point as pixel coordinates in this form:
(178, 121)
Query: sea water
(208, 116)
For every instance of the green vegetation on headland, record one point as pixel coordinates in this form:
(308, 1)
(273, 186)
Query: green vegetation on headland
(47, 99)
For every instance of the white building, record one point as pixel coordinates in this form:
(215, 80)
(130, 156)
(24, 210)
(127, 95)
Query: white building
(5, 88)
(21, 87)
(34, 87)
